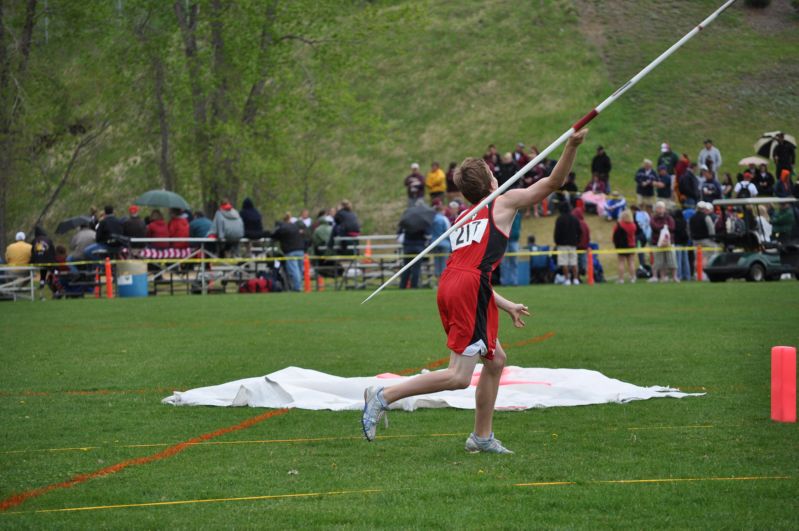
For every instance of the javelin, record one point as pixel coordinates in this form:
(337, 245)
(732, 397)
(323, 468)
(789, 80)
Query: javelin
(582, 122)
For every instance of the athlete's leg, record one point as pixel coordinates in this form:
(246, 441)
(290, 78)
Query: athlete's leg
(486, 394)
(457, 376)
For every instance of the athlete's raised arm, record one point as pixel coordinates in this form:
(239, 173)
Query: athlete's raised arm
(524, 197)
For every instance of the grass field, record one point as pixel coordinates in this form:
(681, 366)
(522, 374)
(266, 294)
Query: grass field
(83, 426)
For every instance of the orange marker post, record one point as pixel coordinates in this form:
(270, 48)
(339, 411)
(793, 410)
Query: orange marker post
(699, 264)
(589, 267)
(783, 384)
(306, 266)
(109, 279)
(96, 282)
(367, 252)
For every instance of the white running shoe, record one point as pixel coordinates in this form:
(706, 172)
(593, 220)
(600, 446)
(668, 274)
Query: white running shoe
(492, 446)
(576, 282)
(568, 283)
(373, 411)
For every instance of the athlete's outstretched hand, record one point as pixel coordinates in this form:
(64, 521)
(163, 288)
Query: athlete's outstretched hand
(516, 311)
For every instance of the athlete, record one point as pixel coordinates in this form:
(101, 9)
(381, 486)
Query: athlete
(467, 303)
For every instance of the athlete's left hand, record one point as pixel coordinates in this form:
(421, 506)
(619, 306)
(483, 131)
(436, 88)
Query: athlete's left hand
(516, 311)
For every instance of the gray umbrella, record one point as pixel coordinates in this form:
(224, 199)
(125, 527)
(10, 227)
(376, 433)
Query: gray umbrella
(72, 223)
(161, 198)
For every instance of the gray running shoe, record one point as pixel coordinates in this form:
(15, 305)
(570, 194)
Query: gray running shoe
(373, 411)
(493, 446)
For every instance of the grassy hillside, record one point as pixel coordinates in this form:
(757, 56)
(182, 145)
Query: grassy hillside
(470, 73)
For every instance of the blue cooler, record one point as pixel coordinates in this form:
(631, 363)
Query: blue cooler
(132, 279)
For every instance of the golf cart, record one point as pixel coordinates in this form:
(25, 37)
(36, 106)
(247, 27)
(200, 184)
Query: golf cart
(746, 253)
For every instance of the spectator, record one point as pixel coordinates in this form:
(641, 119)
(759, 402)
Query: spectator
(227, 227)
(509, 272)
(79, 243)
(745, 188)
(492, 159)
(764, 181)
(292, 244)
(415, 184)
(681, 239)
(585, 239)
(710, 189)
(414, 228)
(567, 237)
(253, 223)
(178, 227)
(346, 226)
(662, 186)
(109, 228)
(42, 252)
(134, 226)
(710, 156)
(452, 189)
(614, 206)
(667, 158)
(784, 185)
(321, 234)
(688, 188)
(305, 219)
(624, 238)
(440, 225)
(644, 231)
(18, 254)
(601, 166)
(519, 156)
(436, 183)
(596, 185)
(662, 230)
(764, 227)
(783, 222)
(507, 169)
(200, 225)
(644, 179)
(784, 154)
(683, 163)
(157, 228)
(727, 186)
(702, 229)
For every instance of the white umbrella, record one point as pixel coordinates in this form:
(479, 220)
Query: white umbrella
(754, 159)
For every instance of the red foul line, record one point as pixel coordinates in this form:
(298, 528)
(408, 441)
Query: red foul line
(17, 499)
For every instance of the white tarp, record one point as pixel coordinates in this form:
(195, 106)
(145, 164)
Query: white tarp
(520, 388)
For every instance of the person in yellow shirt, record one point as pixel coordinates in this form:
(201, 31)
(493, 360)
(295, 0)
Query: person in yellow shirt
(19, 252)
(436, 183)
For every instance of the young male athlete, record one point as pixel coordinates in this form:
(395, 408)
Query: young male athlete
(468, 304)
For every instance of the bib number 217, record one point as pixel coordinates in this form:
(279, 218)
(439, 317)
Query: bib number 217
(468, 233)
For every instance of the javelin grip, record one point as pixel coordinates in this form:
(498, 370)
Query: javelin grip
(582, 122)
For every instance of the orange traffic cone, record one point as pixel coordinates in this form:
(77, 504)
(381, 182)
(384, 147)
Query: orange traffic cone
(96, 282)
(589, 267)
(699, 264)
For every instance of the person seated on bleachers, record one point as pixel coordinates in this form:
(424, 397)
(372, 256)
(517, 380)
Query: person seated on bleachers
(134, 226)
(253, 223)
(200, 225)
(178, 227)
(18, 254)
(157, 228)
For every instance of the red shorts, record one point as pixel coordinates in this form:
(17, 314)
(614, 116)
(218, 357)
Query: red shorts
(468, 311)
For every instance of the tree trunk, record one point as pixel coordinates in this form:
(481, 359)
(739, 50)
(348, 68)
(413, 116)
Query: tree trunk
(251, 105)
(226, 180)
(188, 28)
(164, 162)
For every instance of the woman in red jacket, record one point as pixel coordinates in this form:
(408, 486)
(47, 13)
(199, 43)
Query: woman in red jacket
(624, 238)
(157, 228)
(178, 228)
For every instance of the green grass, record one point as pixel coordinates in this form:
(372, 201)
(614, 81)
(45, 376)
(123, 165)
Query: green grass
(715, 337)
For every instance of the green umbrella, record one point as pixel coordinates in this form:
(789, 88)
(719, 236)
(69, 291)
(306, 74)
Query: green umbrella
(161, 198)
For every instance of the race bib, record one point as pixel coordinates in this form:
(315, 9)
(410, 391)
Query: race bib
(467, 234)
